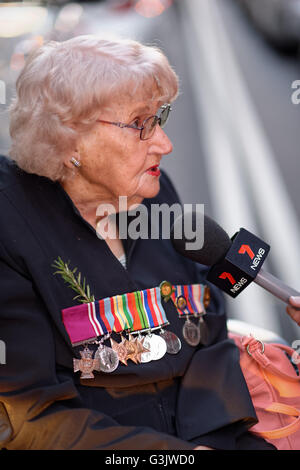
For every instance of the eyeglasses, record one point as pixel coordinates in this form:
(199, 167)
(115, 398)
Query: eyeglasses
(148, 127)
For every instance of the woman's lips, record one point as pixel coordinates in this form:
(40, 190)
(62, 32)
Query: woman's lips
(154, 171)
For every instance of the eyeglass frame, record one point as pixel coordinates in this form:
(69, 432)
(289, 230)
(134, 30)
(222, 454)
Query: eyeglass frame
(131, 126)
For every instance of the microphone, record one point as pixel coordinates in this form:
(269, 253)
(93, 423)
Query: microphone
(235, 262)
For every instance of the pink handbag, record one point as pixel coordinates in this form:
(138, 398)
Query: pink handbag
(274, 387)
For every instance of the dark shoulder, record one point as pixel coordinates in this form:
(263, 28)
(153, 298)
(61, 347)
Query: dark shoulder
(12, 175)
(14, 178)
(9, 172)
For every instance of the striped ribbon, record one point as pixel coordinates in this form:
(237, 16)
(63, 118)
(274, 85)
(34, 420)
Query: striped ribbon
(194, 296)
(152, 308)
(134, 311)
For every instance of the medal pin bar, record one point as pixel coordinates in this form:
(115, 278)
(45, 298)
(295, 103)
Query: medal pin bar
(156, 320)
(145, 320)
(108, 357)
(191, 301)
(105, 358)
(190, 331)
(129, 348)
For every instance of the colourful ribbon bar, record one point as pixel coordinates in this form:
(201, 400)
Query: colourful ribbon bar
(152, 306)
(191, 296)
(134, 311)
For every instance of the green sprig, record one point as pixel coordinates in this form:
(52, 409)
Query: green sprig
(68, 275)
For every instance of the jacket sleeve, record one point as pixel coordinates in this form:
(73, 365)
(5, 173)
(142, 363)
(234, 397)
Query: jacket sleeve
(38, 410)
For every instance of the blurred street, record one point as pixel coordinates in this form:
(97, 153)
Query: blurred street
(235, 128)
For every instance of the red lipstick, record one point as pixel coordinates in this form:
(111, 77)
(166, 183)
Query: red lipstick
(154, 170)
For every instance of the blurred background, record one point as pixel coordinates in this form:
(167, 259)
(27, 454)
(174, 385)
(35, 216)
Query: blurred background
(235, 126)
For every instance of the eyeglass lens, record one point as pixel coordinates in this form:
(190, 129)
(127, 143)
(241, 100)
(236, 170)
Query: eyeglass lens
(164, 116)
(150, 123)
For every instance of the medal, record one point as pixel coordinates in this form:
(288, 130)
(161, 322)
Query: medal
(166, 290)
(86, 364)
(135, 312)
(191, 333)
(154, 318)
(158, 347)
(142, 349)
(108, 359)
(132, 350)
(172, 341)
(120, 349)
(181, 302)
(191, 301)
(121, 311)
(146, 356)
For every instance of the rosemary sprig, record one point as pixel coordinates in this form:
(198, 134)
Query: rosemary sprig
(68, 275)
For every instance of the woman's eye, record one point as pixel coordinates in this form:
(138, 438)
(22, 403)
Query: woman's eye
(136, 123)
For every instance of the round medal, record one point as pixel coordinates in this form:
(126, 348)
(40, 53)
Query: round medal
(158, 347)
(172, 341)
(166, 290)
(108, 358)
(191, 333)
(181, 302)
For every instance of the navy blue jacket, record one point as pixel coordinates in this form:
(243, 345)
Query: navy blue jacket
(195, 397)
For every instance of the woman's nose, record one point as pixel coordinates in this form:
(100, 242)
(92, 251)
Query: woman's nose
(160, 142)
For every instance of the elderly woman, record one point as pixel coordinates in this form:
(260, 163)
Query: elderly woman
(84, 371)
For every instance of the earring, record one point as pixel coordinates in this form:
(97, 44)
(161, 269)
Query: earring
(75, 162)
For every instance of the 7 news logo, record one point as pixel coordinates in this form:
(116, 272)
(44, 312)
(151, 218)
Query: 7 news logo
(240, 265)
(255, 259)
(236, 285)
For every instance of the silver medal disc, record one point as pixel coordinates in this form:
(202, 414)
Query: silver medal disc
(191, 333)
(108, 358)
(158, 347)
(146, 356)
(172, 341)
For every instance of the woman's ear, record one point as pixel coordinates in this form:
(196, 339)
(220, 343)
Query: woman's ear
(72, 160)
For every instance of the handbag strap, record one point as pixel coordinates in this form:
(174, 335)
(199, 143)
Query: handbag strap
(256, 350)
(285, 431)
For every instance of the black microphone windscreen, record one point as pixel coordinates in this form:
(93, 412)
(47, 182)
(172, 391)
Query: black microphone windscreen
(216, 240)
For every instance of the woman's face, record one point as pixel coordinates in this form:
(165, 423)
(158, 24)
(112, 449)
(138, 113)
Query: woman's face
(115, 162)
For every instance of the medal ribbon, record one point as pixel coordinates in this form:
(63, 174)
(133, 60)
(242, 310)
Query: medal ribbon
(193, 294)
(134, 311)
(84, 322)
(120, 312)
(152, 308)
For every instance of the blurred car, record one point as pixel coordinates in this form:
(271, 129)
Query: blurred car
(278, 20)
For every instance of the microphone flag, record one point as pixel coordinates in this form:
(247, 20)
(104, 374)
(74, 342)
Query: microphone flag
(241, 264)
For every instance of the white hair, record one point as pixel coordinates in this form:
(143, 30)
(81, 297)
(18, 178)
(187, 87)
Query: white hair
(64, 84)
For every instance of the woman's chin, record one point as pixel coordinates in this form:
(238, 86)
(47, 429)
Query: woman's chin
(147, 188)
(151, 190)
